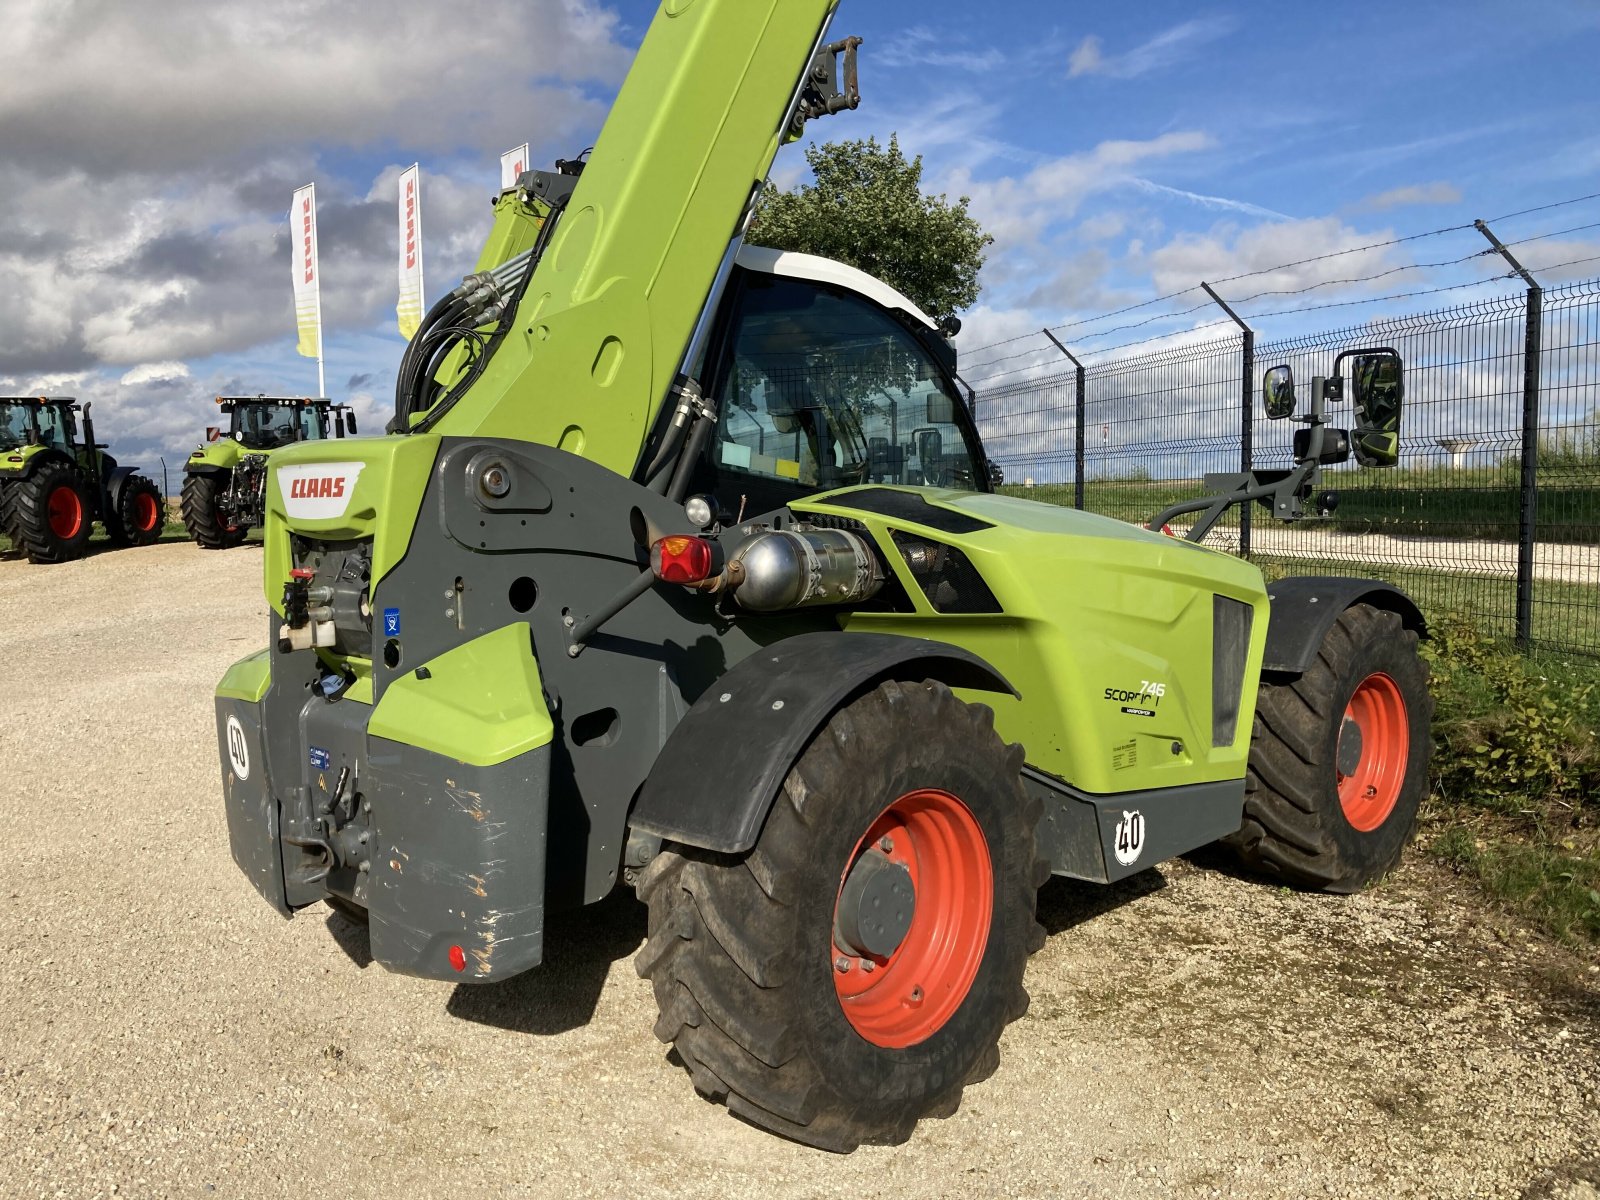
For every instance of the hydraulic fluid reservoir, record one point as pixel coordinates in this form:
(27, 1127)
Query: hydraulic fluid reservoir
(794, 568)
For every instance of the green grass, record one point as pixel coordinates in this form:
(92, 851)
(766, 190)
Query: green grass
(1415, 502)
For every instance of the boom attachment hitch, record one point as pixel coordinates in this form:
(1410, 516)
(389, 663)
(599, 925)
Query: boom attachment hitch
(1378, 388)
(821, 94)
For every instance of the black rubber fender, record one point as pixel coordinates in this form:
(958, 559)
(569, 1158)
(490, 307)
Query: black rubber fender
(716, 777)
(114, 484)
(1305, 607)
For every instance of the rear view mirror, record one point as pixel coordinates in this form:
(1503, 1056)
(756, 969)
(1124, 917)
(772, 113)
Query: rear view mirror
(1277, 393)
(1377, 384)
(941, 409)
(350, 423)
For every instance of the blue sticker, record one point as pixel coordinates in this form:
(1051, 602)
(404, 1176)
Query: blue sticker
(320, 758)
(391, 622)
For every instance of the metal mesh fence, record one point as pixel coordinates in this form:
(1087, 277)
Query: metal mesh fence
(1478, 521)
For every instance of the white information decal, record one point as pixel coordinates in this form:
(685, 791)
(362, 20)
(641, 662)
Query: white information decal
(512, 164)
(238, 748)
(318, 491)
(1129, 841)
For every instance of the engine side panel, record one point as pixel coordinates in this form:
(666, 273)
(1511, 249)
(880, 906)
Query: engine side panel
(1108, 631)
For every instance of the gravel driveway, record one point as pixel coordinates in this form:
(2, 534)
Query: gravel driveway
(164, 1033)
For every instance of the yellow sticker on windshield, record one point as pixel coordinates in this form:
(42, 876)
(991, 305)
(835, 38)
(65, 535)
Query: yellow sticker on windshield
(788, 468)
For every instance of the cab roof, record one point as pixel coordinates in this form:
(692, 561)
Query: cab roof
(792, 265)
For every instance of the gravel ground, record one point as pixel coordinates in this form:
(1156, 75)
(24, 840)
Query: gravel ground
(164, 1033)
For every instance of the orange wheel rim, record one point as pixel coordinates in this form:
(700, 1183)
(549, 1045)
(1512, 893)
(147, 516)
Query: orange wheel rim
(64, 512)
(145, 512)
(905, 996)
(1370, 788)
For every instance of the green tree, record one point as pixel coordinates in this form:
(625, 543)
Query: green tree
(867, 209)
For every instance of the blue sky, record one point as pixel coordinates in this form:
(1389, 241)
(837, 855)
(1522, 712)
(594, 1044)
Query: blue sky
(1116, 151)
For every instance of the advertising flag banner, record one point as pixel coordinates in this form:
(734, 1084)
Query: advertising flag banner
(409, 308)
(307, 275)
(512, 164)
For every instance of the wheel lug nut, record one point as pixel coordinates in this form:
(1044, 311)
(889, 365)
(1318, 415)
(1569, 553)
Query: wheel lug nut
(841, 964)
(868, 965)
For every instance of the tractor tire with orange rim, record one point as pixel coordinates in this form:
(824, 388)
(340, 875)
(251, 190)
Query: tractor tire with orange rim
(202, 512)
(1339, 758)
(141, 513)
(52, 513)
(853, 972)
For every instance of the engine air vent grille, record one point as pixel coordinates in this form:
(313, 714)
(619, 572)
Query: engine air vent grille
(1230, 649)
(946, 575)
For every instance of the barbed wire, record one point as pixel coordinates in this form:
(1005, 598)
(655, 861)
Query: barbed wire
(1304, 308)
(1283, 267)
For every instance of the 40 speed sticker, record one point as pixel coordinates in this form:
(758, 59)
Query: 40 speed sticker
(238, 748)
(1128, 842)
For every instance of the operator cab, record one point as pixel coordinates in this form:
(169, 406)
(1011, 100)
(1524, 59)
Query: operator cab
(824, 377)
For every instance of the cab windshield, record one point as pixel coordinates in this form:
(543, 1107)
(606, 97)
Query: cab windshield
(17, 419)
(259, 426)
(14, 425)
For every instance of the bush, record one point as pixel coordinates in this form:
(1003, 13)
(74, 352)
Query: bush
(1510, 733)
(1516, 765)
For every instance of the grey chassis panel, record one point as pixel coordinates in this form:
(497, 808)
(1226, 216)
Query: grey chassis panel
(565, 525)
(1305, 607)
(252, 806)
(721, 769)
(459, 860)
(456, 852)
(1077, 832)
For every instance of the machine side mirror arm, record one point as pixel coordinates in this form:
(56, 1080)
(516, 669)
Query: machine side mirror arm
(1248, 488)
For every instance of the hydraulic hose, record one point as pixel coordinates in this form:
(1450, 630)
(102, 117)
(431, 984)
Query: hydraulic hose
(519, 272)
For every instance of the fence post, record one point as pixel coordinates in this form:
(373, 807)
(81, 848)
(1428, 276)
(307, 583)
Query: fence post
(1247, 360)
(1528, 509)
(1079, 406)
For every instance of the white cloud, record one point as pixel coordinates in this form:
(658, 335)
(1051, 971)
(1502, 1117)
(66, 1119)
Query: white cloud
(920, 46)
(1086, 59)
(1226, 250)
(185, 83)
(1017, 209)
(195, 172)
(1439, 192)
(1160, 52)
(155, 372)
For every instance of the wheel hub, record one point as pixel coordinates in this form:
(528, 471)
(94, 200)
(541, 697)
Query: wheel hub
(1348, 757)
(876, 905)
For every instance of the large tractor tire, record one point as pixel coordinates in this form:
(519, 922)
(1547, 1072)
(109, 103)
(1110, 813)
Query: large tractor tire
(1339, 759)
(853, 972)
(8, 520)
(203, 516)
(52, 513)
(140, 516)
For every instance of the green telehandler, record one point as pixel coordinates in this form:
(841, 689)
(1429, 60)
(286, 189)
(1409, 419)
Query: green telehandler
(54, 487)
(225, 479)
(681, 569)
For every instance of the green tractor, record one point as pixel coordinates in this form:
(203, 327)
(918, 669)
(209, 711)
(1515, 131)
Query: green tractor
(53, 488)
(682, 570)
(224, 483)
